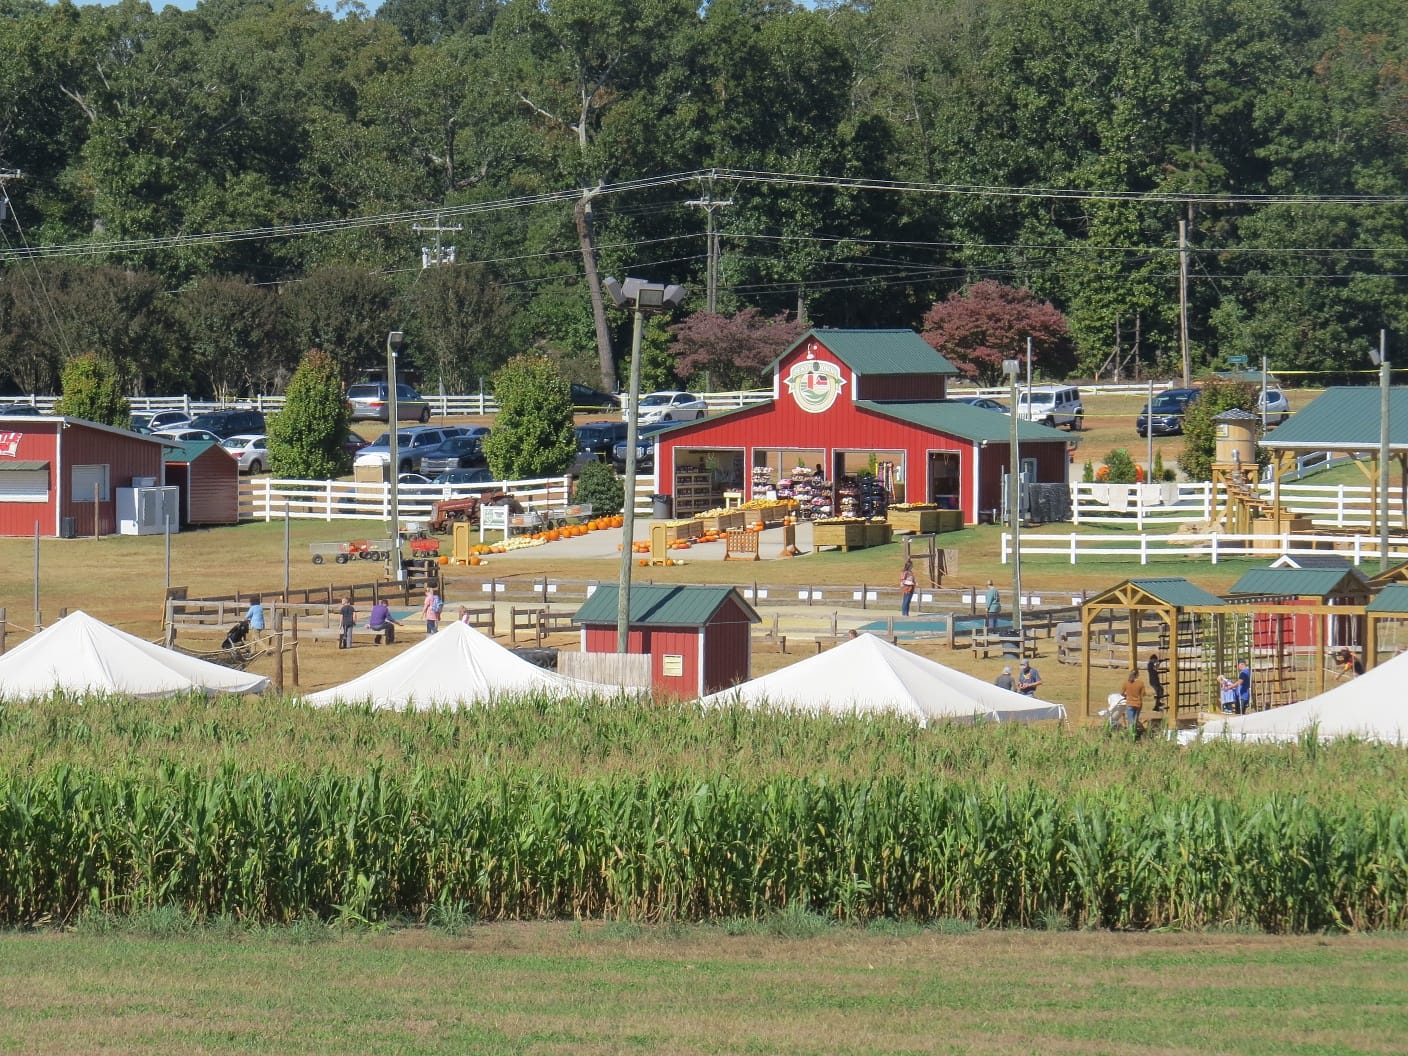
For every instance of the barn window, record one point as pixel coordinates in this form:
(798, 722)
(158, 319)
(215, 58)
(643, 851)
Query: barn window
(24, 482)
(85, 478)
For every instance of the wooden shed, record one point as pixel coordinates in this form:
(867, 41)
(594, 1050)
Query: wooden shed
(1333, 586)
(698, 638)
(61, 475)
(208, 479)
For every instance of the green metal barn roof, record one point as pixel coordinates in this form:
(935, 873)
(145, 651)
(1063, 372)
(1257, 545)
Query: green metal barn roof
(878, 351)
(682, 606)
(1300, 582)
(1393, 598)
(1344, 419)
(965, 421)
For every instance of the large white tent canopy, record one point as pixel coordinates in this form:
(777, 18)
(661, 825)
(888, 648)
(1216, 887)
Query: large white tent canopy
(1372, 707)
(455, 667)
(82, 654)
(867, 675)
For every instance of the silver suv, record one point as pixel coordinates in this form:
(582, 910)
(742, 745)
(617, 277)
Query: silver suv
(369, 401)
(1051, 405)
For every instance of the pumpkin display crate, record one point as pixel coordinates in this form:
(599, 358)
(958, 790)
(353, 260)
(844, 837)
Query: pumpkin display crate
(677, 531)
(847, 534)
(918, 518)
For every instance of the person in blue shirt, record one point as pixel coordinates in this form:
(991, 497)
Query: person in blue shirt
(1244, 687)
(255, 614)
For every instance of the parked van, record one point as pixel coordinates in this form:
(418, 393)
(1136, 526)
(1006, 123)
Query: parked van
(1051, 405)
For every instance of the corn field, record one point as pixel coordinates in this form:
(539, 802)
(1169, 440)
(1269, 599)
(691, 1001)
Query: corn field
(272, 812)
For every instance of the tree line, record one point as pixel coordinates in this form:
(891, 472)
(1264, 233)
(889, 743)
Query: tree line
(205, 195)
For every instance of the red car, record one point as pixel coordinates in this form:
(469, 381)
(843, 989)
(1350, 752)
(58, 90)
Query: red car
(352, 443)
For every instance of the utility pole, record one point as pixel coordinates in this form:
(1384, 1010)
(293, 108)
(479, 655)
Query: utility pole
(1183, 303)
(434, 257)
(7, 174)
(709, 204)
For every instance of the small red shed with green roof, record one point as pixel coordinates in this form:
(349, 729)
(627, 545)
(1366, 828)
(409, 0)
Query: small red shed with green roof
(699, 638)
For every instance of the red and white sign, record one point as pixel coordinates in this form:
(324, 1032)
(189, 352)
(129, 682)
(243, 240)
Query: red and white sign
(10, 444)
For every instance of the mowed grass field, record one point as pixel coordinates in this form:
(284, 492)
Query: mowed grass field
(787, 988)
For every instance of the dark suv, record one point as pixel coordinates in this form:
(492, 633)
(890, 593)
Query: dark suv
(599, 438)
(226, 424)
(1165, 416)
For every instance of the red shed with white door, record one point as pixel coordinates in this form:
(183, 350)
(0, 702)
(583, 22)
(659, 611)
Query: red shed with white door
(63, 474)
(853, 403)
(698, 638)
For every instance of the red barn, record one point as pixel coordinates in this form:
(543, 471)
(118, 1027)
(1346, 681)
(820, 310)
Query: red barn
(699, 639)
(51, 468)
(847, 402)
(208, 479)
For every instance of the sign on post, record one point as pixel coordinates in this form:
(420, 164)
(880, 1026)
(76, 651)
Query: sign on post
(495, 518)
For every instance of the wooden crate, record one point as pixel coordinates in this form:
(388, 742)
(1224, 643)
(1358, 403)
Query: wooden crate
(949, 521)
(678, 530)
(848, 535)
(923, 520)
(878, 533)
(723, 522)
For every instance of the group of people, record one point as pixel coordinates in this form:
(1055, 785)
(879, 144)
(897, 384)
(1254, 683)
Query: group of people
(383, 624)
(1026, 681)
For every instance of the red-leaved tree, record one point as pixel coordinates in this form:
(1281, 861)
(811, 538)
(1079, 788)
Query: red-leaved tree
(988, 322)
(731, 351)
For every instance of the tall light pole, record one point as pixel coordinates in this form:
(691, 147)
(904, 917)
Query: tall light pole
(394, 340)
(641, 297)
(1013, 368)
(1380, 359)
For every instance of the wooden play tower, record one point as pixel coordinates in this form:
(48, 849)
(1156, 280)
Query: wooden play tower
(1234, 475)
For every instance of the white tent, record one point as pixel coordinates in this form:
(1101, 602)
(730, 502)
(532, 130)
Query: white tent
(82, 654)
(1373, 707)
(868, 675)
(456, 666)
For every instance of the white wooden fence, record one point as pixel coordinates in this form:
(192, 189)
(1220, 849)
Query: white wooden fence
(269, 498)
(1140, 505)
(1207, 546)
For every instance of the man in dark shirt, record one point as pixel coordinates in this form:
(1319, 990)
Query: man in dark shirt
(1156, 682)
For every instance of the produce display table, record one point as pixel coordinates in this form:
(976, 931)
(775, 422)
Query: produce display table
(848, 535)
(878, 533)
(918, 519)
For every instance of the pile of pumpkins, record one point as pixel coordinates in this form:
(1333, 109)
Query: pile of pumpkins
(479, 551)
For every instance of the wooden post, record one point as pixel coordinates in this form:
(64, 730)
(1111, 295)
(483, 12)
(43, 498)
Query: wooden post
(278, 651)
(4, 626)
(293, 628)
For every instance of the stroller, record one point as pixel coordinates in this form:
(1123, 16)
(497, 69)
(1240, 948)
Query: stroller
(236, 643)
(1116, 717)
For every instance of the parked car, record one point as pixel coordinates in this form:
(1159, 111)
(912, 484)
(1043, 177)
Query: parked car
(1275, 404)
(252, 451)
(586, 396)
(410, 445)
(412, 478)
(169, 420)
(230, 423)
(352, 444)
(982, 402)
(669, 406)
(370, 401)
(187, 436)
(596, 439)
(463, 476)
(20, 410)
(1051, 405)
(454, 452)
(138, 423)
(1165, 416)
(645, 446)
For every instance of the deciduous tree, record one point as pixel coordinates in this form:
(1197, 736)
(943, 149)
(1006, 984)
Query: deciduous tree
(532, 434)
(989, 322)
(305, 437)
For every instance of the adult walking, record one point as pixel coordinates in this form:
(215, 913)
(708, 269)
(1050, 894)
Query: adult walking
(1133, 690)
(992, 605)
(907, 582)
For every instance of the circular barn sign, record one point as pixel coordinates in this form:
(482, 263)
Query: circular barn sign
(814, 384)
